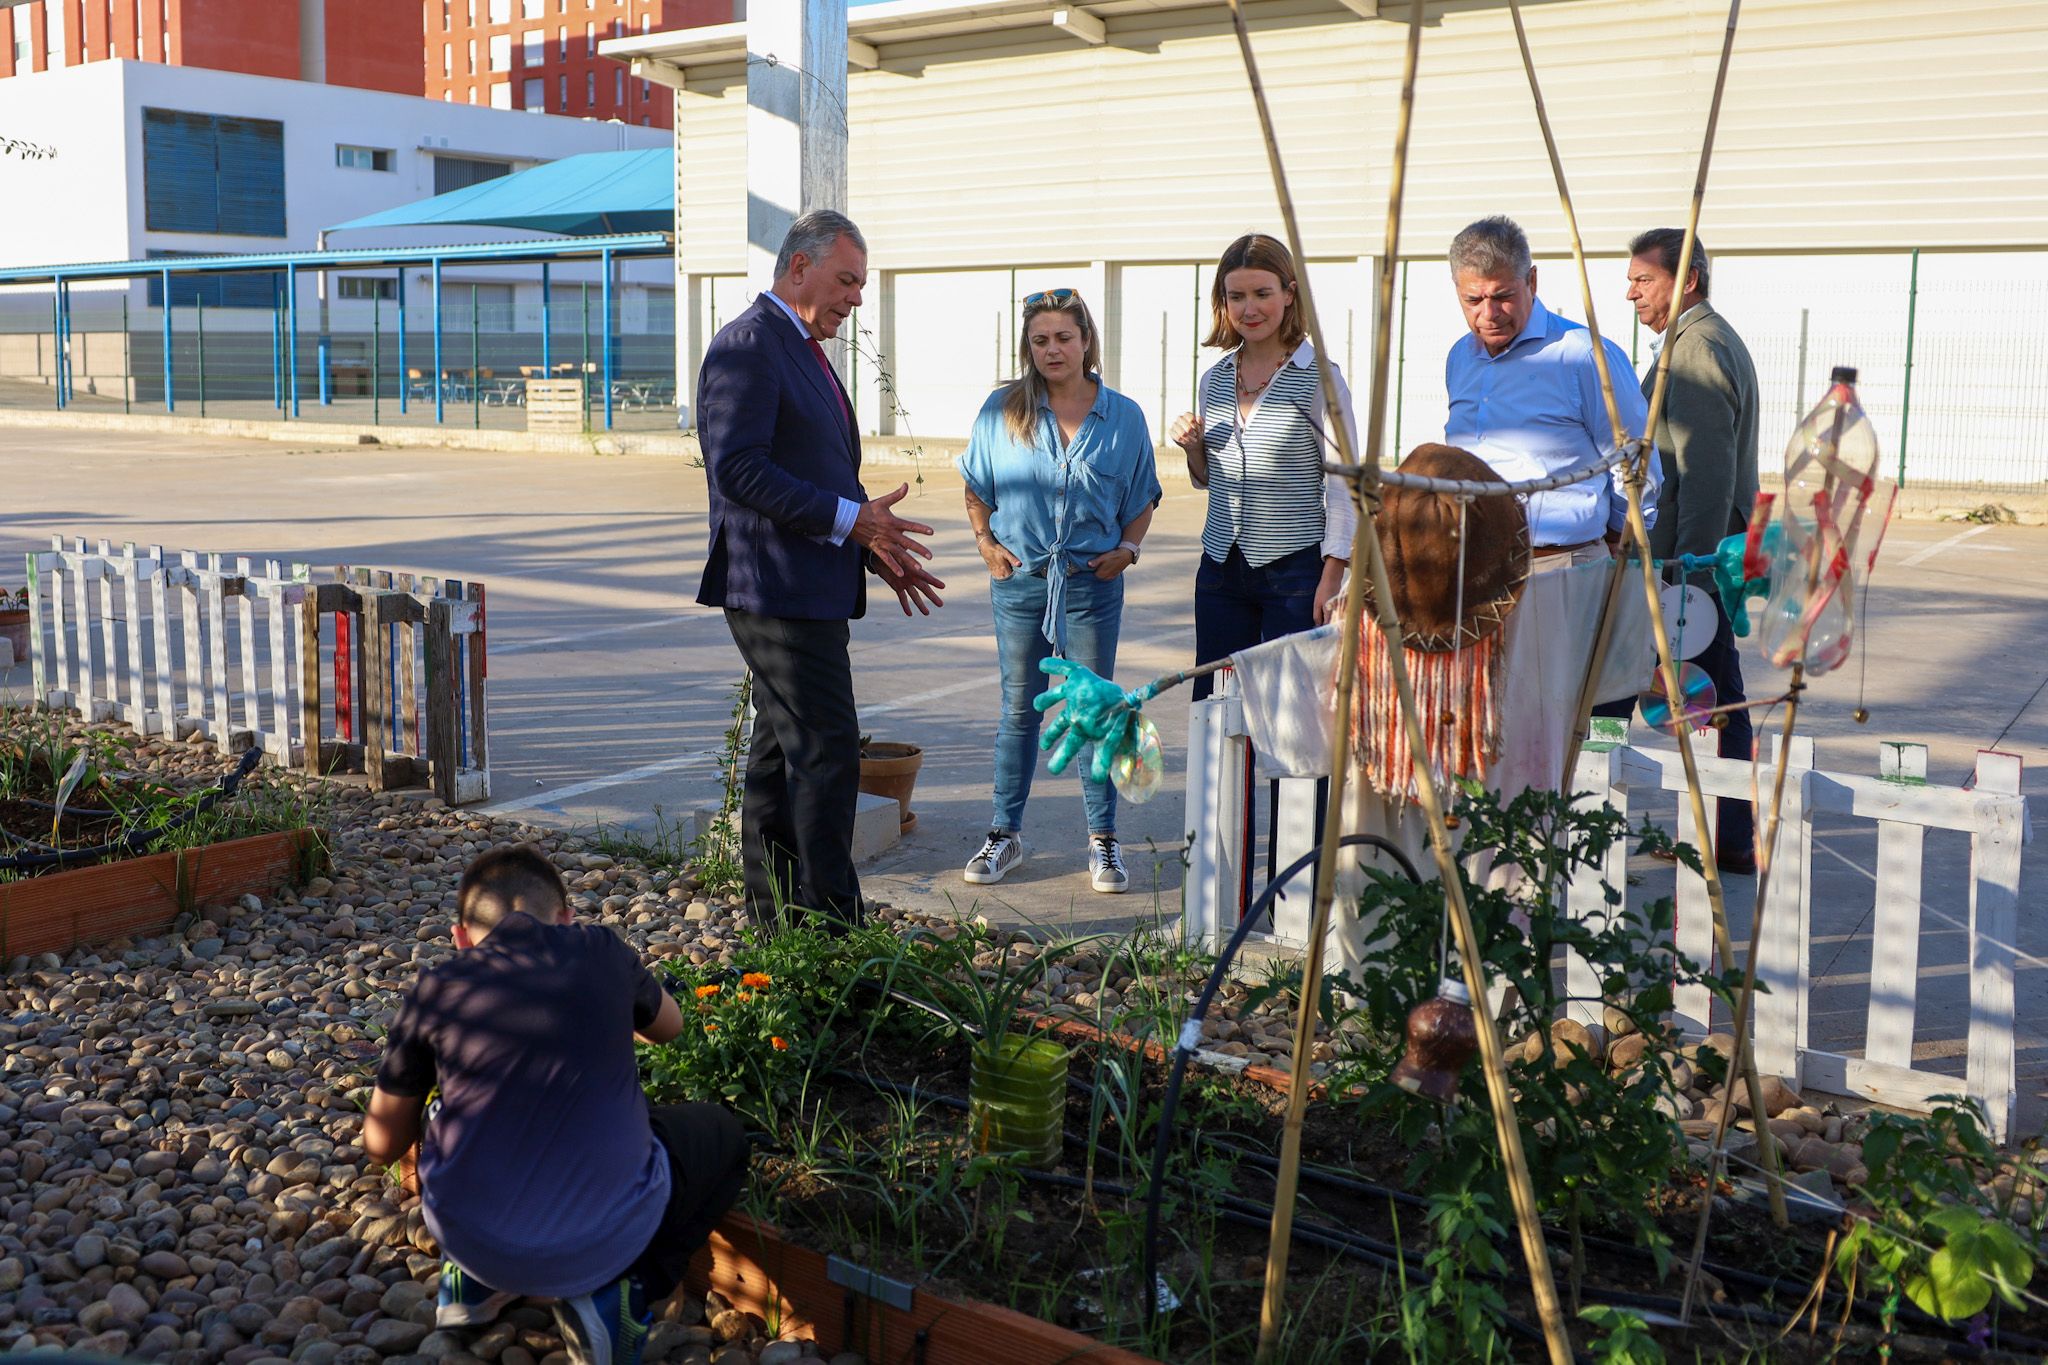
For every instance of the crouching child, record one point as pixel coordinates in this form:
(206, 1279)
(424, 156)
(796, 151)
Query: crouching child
(543, 1170)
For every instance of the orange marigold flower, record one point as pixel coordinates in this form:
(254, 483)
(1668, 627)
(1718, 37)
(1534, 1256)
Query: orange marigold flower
(711, 1028)
(780, 1044)
(705, 992)
(758, 980)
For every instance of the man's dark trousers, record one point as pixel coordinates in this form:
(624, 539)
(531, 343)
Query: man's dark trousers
(803, 770)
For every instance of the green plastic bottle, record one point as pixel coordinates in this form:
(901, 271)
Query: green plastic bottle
(1017, 1098)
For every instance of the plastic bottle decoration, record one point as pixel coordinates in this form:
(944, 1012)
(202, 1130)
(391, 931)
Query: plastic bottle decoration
(1442, 1038)
(1830, 483)
(1096, 711)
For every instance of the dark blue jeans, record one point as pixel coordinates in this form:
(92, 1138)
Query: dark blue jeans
(1238, 606)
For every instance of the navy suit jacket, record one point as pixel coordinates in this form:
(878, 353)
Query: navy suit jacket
(779, 454)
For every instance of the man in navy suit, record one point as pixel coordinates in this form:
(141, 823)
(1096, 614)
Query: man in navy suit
(793, 535)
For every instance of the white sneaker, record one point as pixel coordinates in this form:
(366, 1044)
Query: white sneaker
(999, 853)
(1106, 865)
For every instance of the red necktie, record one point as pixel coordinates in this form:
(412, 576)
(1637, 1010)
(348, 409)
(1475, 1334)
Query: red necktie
(831, 379)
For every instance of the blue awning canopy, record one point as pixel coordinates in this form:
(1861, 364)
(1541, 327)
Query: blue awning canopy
(597, 192)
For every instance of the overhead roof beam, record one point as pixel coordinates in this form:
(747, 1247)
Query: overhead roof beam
(1364, 9)
(1081, 24)
(862, 56)
(658, 71)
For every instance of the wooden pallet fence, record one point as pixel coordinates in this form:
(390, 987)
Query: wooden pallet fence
(1898, 801)
(554, 405)
(174, 646)
(406, 682)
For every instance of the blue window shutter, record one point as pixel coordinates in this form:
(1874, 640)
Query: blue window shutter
(251, 177)
(178, 172)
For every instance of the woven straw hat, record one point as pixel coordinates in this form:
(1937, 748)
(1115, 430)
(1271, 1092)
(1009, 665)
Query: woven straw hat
(1419, 538)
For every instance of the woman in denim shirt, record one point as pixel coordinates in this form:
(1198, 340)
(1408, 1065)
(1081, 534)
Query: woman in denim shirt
(1060, 490)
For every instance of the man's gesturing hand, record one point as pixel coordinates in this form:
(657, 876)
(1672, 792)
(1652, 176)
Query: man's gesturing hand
(888, 536)
(914, 587)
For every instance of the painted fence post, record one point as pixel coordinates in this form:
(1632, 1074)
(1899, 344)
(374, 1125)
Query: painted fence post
(1994, 925)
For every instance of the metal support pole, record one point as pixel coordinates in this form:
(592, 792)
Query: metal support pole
(199, 324)
(170, 395)
(476, 378)
(276, 347)
(404, 375)
(1401, 357)
(57, 344)
(547, 324)
(440, 404)
(127, 361)
(323, 348)
(584, 374)
(607, 341)
(291, 336)
(376, 357)
(1906, 396)
(64, 349)
(1799, 394)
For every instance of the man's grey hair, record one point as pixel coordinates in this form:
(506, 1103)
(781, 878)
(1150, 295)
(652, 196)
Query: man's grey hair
(1492, 247)
(1663, 246)
(813, 235)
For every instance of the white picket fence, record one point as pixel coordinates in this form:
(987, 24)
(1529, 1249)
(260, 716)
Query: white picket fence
(181, 643)
(1900, 803)
(194, 660)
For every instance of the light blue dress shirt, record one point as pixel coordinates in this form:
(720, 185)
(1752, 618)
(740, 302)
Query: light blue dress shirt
(1535, 409)
(842, 524)
(1057, 504)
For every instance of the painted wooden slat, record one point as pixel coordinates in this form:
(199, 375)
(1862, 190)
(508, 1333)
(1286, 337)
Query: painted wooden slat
(1693, 928)
(1598, 776)
(452, 589)
(1294, 833)
(1994, 923)
(1780, 1029)
(376, 710)
(39, 663)
(309, 679)
(479, 728)
(160, 599)
(60, 630)
(406, 734)
(359, 683)
(86, 570)
(220, 720)
(192, 600)
(1873, 1080)
(133, 568)
(245, 641)
(110, 640)
(443, 710)
(276, 609)
(1215, 786)
(1895, 944)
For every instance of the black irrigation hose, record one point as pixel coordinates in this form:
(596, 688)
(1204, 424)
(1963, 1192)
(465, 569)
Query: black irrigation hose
(136, 840)
(1191, 1031)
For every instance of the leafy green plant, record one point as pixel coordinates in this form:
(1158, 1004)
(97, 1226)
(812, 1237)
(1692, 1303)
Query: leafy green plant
(716, 848)
(1624, 1337)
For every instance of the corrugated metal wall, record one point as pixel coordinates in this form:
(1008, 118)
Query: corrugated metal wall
(1847, 126)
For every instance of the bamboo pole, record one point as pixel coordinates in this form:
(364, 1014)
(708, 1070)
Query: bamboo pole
(1633, 482)
(1366, 545)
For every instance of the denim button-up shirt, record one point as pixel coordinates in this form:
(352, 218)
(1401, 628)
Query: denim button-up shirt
(1067, 501)
(1535, 409)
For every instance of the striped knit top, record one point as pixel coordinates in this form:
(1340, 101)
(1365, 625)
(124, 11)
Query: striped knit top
(1268, 494)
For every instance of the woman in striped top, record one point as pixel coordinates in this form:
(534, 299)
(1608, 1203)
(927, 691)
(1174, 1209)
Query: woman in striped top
(1278, 534)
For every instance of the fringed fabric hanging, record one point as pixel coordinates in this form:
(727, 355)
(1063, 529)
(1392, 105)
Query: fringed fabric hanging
(1457, 698)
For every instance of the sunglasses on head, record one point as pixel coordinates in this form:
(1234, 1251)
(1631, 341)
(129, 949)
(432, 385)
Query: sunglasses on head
(1051, 298)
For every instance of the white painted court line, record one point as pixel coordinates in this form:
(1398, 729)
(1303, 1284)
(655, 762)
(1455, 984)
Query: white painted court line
(521, 646)
(556, 795)
(1931, 551)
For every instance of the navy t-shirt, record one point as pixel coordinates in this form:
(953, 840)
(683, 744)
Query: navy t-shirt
(539, 1172)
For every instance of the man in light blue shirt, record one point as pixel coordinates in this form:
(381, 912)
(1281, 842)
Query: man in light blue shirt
(1525, 396)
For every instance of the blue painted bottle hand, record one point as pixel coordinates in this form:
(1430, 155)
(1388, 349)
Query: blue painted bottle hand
(1096, 712)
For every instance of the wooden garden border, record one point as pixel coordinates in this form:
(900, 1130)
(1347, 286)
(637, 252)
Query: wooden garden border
(800, 1292)
(140, 897)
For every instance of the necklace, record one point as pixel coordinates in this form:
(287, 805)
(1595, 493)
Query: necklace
(1245, 390)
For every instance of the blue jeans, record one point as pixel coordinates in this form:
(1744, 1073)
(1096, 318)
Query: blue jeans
(1095, 611)
(1238, 606)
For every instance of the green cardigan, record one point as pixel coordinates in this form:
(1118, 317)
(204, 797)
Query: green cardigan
(1706, 436)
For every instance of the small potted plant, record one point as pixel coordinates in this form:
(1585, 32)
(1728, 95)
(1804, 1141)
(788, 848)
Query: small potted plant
(888, 768)
(14, 621)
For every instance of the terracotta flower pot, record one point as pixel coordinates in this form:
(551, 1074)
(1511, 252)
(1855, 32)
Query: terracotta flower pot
(14, 629)
(890, 769)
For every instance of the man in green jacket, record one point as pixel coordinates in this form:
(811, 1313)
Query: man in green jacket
(1707, 434)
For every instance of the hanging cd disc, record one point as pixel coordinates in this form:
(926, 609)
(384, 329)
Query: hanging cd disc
(1696, 700)
(1690, 616)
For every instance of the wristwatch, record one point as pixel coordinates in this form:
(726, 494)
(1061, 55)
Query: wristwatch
(1127, 545)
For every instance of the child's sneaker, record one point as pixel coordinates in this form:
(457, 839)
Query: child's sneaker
(466, 1301)
(1106, 865)
(607, 1327)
